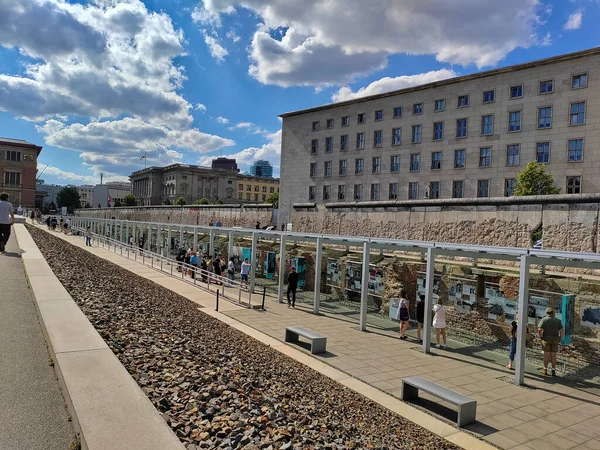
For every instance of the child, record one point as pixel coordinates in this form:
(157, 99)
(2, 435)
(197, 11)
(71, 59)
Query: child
(88, 237)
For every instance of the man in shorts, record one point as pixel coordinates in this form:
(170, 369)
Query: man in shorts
(7, 219)
(550, 330)
(245, 271)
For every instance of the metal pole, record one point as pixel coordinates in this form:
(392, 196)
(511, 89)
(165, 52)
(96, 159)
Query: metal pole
(168, 240)
(364, 287)
(429, 279)
(230, 246)
(264, 295)
(281, 269)
(217, 306)
(181, 237)
(317, 300)
(195, 239)
(211, 243)
(522, 320)
(253, 263)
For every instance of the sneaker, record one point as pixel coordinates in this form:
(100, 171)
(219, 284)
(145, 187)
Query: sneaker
(553, 372)
(544, 371)
(444, 346)
(438, 346)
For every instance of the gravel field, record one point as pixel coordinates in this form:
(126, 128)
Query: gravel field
(216, 387)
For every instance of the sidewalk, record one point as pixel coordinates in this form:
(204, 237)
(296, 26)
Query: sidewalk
(32, 409)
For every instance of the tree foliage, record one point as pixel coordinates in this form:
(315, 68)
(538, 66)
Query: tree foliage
(273, 199)
(69, 197)
(180, 201)
(219, 202)
(534, 180)
(118, 203)
(202, 201)
(129, 200)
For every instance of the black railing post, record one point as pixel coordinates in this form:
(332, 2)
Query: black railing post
(217, 306)
(264, 294)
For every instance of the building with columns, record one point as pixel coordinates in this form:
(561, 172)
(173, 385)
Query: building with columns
(18, 170)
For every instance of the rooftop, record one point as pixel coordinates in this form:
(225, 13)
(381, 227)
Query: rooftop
(18, 142)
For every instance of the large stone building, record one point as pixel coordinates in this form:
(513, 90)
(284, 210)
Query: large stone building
(464, 137)
(86, 195)
(106, 194)
(255, 189)
(18, 169)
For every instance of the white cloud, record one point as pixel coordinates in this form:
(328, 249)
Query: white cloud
(222, 120)
(333, 42)
(243, 125)
(388, 84)
(200, 107)
(574, 20)
(216, 50)
(231, 34)
(71, 177)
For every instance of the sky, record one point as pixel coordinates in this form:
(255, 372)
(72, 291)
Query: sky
(100, 83)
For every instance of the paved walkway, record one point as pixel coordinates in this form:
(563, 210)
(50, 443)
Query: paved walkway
(548, 413)
(32, 409)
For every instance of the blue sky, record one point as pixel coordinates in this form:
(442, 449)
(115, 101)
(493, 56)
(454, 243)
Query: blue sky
(100, 83)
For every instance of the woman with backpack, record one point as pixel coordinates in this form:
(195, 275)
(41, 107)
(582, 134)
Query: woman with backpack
(403, 315)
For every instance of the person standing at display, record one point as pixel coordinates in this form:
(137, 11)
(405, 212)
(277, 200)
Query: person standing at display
(513, 344)
(439, 323)
(420, 316)
(403, 315)
(292, 287)
(550, 330)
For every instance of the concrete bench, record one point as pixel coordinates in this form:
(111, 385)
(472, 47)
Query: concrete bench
(467, 407)
(318, 341)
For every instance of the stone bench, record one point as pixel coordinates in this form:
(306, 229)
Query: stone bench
(467, 407)
(318, 341)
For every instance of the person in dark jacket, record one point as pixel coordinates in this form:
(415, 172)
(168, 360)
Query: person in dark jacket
(217, 268)
(292, 286)
(403, 315)
(420, 316)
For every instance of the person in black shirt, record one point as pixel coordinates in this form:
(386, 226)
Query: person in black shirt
(292, 286)
(420, 316)
(217, 268)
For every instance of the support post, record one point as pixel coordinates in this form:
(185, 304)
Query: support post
(181, 237)
(364, 287)
(195, 239)
(150, 237)
(230, 245)
(281, 269)
(429, 281)
(253, 263)
(317, 299)
(522, 308)
(211, 243)
(168, 241)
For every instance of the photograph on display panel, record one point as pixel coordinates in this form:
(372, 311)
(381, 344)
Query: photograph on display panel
(334, 273)
(354, 276)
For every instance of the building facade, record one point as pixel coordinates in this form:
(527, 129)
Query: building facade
(105, 195)
(86, 195)
(465, 137)
(255, 189)
(261, 168)
(18, 170)
(225, 164)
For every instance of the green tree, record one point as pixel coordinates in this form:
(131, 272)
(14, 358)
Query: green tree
(118, 203)
(534, 180)
(202, 201)
(219, 202)
(129, 200)
(69, 197)
(273, 199)
(180, 201)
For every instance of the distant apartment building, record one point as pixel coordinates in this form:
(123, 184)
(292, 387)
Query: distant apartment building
(225, 164)
(255, 189)
(261, 168)
(464, 137)
(18, 170)
(105, 195)
(86, 195)
(46, 193)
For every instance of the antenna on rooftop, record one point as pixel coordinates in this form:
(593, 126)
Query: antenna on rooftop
(101, 177)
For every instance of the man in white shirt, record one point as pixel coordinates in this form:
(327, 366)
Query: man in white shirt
(7, 218)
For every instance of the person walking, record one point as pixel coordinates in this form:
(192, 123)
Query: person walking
(66, 225)
(420, 316)
(231, 270)
(217, 269)
(403, 316)
(550, 330)
(513, 344)
(194, 264)
(245, 271)
(7, 219)
(88, 237)
(292, 287)
(439, 323)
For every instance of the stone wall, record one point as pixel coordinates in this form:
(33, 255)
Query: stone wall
(569, 222)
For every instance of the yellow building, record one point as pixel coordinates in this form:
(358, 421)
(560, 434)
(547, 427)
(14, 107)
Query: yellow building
(256, 189)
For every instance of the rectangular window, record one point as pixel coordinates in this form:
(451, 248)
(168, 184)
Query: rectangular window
(463, 100)
(344, 143)
(512, 155)
(575, 150)
(326, 191)
(315, 126)
(341, 192)
(248, 196)
(398, 111)
(413, 190)
(343, 167)
(483, 188)
(487, 125)
(416, 134)
(375, 191)
(509, 187)
(516, 91)
(313, 172)
(264, 189)
(395, 164)
(240, 196)
(579, 81)
(311, 192)
(13, 156)
(264, 197)
(358, 166)
(271, 190)
(489, 96)
(543, 152)
(357, 191)
(418, 108)
(360, 141)
(12, 178)
(379, 115)
(514, 121)
(377, 165)
(314, 146)
(577, 113)
(440, 105)
(241, 187)
(574, 185)
(438, 131)
(457, 189)
(362, 118)
(396, 136)
(377, 138)
(485, 157)
(329, 144)
(545, 117)
(436, 160)
(345, 121)
(393, 191)
(329, 123)
(459, 159)
(255, 197)
(327, 168)
(249, 187)
(546, 87)
(461, 128)
(434, 189)
(415, 159)
(256, 188)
